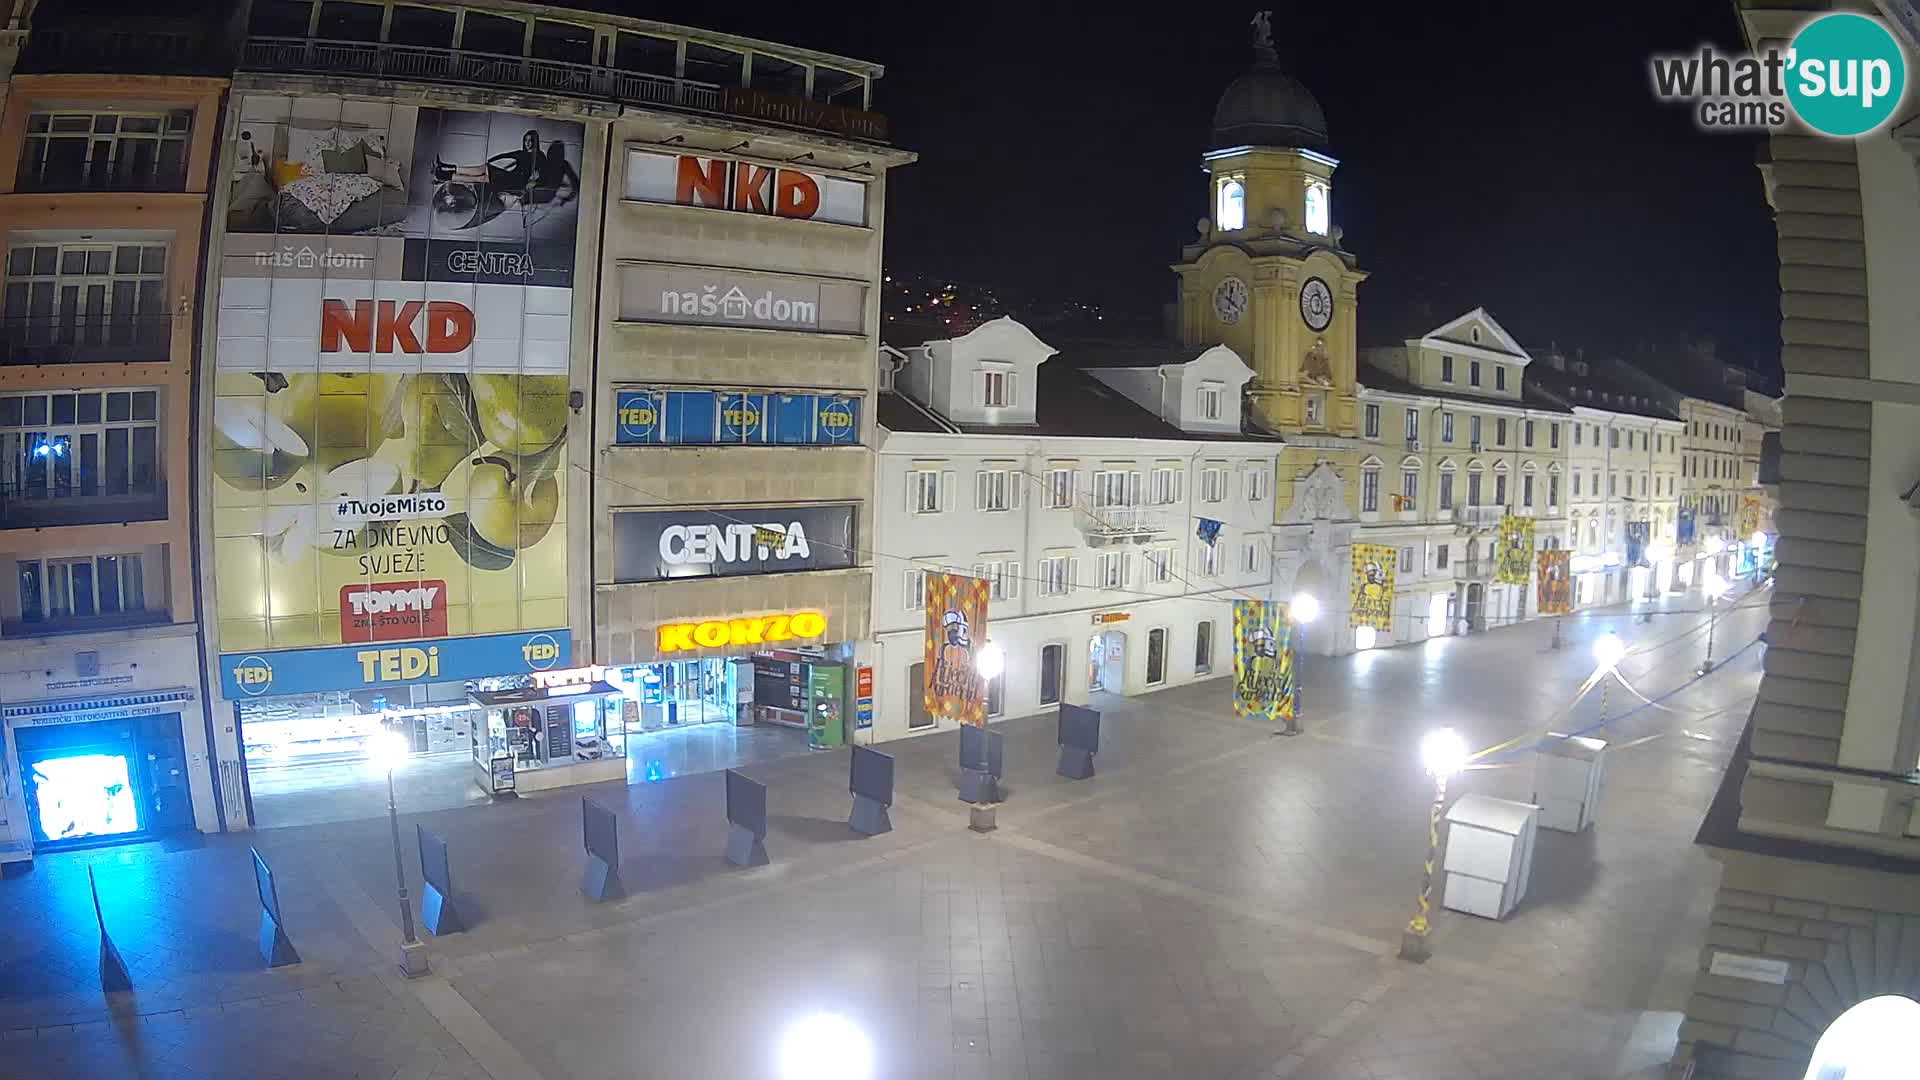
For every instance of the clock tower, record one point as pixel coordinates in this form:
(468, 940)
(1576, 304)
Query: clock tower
(1267, 276)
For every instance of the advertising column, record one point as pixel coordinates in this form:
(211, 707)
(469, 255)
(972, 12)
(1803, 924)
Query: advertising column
(390, 406)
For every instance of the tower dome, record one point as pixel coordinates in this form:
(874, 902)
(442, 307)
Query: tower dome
(1267, 107)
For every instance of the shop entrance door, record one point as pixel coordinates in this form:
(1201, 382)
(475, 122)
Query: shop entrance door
(103, 781)
(1106, 661)
(1476, 607)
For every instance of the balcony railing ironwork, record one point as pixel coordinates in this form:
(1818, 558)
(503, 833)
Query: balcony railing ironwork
(38, 506)
(1478, 517)
(97, 339)
(91, 174)
(429, 64)
(1120, 523)
(1473, 570)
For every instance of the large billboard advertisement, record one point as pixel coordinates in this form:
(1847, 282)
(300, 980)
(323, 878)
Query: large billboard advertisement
(744, 186)
(956, 626)
(390, 405)
(698, 296)
(655, 545)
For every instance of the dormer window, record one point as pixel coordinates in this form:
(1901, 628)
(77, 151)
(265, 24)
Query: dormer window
(1207, 401)
(1231, 212)
(1318, 212)
(1475, 332)
(996, 388)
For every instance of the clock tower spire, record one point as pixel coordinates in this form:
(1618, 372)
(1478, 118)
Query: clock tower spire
(1267, 275)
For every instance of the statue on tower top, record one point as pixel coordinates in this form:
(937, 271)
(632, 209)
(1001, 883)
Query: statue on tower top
(1262, 29)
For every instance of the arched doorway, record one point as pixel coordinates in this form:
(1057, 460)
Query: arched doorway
(1870, 1041)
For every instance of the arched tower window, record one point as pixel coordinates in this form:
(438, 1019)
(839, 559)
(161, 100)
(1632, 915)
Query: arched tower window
(1231, 213)
(1317, 210)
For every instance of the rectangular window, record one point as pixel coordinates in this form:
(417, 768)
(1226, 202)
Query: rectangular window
(1446, 491)
(1500, 489)
(1576, 482)
(1577, 429)
(1499, 377)
(1059, 489)
(1056, 575)
(84, 444)
(1164, 486)
(81, 302)
(997, 489)
(1526, 492)
(1500, 431)
(1409, 489)
(1526, 435)
(913, 588)
(1473, 489)
(1446, 369)
(1612, 479)
(1156, 656)
(1373, 421)
(1406, 560)
(1250, 557)
(1553, 436)
(1113, 569)
(1413, 426)
(1316, 409)
(1002, 577)
(1115, 488)
(1213, 485)
(105, 151)
(1446, 427)
(923, 491)
(1442, 553)
(1203, 648)
(1553, 492)
(1473, 432)
(1613, 438)
(996, 389)
(1473, 373)
(1208, 401)
(1256, 483)
(59, 590)
(1159, 565)
(1369, 490)
(1208, 558)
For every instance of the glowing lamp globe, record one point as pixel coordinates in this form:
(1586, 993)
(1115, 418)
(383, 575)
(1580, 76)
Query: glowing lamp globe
(1608, 649)
(825, 1046)
(1304, 608)
(1443, 753)
(990, 661)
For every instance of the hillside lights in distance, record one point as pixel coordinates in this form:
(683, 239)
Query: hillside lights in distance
(825, 1046)
(1443, 753)
(1303, 608)
(991, 661)
(1608, 650)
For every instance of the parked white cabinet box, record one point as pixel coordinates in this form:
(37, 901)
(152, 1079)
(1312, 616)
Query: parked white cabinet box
(1567, 774)
(1489, 854)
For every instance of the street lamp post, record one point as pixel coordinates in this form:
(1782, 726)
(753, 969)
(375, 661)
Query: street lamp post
(1443, 753)
(1608, 650)
(1715, 588)
(388, 748)
(1301, 610)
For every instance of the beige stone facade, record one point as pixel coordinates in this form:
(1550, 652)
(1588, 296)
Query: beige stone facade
(1818, 821)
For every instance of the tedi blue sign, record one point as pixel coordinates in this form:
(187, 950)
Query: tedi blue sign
(357, 667)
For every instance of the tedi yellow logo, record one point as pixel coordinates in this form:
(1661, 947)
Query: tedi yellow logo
(398, 665)
(253, 675)
(541, 652)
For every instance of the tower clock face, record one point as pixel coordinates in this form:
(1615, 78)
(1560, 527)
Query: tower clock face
(1230, 299)
(1316, 304)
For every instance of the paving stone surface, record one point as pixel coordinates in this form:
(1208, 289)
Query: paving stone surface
(1217, 902)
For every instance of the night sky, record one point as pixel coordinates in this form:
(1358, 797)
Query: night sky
(1488, 156)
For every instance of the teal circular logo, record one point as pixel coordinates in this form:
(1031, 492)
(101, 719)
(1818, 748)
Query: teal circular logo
(1846, 74)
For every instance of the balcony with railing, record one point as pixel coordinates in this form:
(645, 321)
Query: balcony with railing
(32, 340)
(1473, 570)
(1478, 517)
(129, 173)
(43, 506)
(468, 67)
(1120, 524)
(83, 42)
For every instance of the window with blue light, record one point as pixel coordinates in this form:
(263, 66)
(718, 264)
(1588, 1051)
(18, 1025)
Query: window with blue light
(667, 417)
(85, 444)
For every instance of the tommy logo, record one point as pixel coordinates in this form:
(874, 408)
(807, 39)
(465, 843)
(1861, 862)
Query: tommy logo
(393, 611)
(390, 326)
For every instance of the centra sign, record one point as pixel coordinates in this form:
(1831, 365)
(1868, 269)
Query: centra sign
(758, 630)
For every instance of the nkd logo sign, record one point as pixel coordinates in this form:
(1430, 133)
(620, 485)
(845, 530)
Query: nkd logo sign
(729, 184)
(387, 326)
